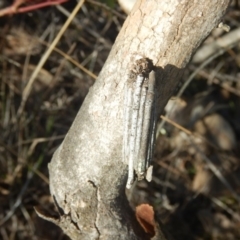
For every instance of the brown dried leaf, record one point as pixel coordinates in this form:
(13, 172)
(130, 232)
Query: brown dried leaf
(217, 130)
(19, 42)
(145, 216)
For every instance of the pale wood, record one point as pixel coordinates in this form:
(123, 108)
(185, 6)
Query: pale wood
(87, 175)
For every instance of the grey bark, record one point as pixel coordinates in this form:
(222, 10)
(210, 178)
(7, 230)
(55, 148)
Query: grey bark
(87, 175)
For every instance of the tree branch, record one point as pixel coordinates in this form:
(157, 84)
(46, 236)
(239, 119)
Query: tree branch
(87, 175)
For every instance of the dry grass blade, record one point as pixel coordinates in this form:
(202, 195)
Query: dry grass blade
(215, 170)
(70, 59)
(211, 166)
(41, 140)
(20, 195)
(207, 50)
(191, 77)
(44, 58)
(219, 203)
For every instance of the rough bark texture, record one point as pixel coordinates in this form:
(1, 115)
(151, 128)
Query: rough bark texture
(87, 175)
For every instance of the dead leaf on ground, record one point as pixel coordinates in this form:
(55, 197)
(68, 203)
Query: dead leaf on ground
(215, 128)
(19, 42)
